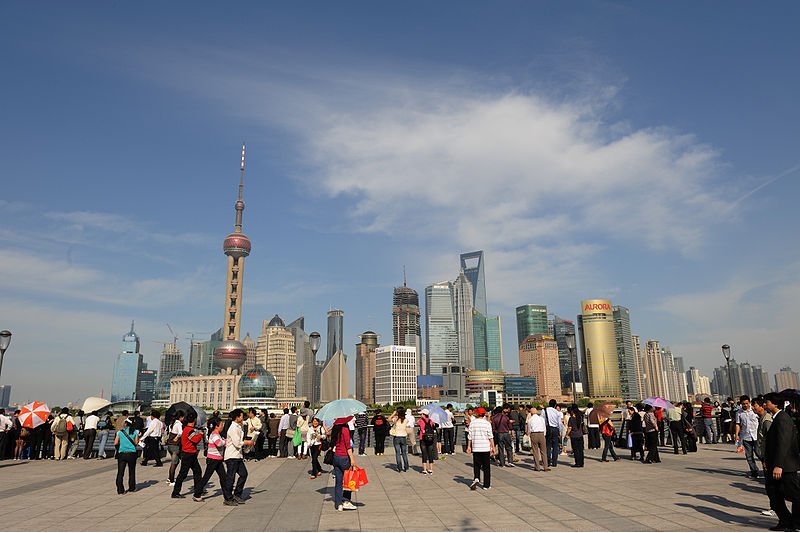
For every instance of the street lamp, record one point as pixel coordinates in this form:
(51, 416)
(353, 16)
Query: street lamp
(569, 336)
(314, 340)
(5, 340)
(726, 352)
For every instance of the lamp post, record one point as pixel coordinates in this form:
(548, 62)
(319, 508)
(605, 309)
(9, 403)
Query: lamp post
(569, 336)
(314, 340)
(5, 340)
(726, 352)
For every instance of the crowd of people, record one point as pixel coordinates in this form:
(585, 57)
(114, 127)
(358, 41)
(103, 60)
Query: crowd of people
(764, 429)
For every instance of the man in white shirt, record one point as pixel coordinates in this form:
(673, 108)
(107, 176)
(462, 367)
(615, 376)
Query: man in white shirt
(5, 428)
(747, 434)
(536, 429)
(253, 426)
(234, 460)
(283, 443)
(553, 420)
(481, 445)
(448, 432)
(90, 434)
(152, 439)
(411, 432)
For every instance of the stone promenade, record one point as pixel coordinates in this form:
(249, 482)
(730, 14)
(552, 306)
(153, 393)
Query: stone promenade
(705, 491)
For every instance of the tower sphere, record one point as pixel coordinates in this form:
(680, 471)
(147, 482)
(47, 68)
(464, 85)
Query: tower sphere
(230, 355)
(257, 383)
(236, 245)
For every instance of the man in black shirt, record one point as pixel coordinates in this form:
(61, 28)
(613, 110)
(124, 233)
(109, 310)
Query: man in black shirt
(782, 461)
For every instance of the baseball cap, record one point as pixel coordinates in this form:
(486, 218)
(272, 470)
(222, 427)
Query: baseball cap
(425, 412)
(480, 411)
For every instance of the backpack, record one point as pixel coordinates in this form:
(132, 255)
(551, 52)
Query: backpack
(60, 428)
(429, 433)
(102, 423)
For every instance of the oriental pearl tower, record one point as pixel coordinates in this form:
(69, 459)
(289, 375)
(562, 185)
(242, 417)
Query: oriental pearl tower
(231, 354)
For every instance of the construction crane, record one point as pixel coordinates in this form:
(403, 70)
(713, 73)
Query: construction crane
(173, 334)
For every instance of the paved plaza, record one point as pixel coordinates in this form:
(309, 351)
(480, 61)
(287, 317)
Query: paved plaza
(705, 491)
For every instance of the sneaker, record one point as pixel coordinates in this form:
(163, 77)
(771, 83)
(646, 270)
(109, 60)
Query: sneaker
(348, 506)
(239, 500)
(768, 512)
(486, 488)
(340, 508)
(424, 472)
(197, 498)
(178, 496)
(231, 503)
(430, 472)
(511, 465)
(171, 483)
(474, 484)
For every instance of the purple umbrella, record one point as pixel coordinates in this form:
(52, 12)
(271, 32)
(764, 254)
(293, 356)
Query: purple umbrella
(658, 401)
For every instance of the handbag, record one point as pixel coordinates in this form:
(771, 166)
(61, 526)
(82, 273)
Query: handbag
(354, 479)
(297, 438)
(526, 442)
(328, 460)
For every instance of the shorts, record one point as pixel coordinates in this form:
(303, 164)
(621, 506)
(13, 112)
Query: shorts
(174, 453)
(427, 451)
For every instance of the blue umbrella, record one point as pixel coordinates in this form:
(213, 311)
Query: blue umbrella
(436, 413)
(339, 409)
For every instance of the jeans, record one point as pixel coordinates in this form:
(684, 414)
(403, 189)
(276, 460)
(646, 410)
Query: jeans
(427, 450)
(189, 461)
(127, 459)
(362, 439)
(553, 439)
(340, 464)
(283, 444)
(101, 448)
(401, 453)
(678, 435)
(504, 447)
(316, 468)
(749, 452)
(577, 449)
(89, 435)
(517, 439)
(235, 467)
(710, 430)
(609, 447)
(214, 465)
(481, 463)
(448, 440)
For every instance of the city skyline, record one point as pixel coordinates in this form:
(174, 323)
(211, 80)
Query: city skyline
(580, 164)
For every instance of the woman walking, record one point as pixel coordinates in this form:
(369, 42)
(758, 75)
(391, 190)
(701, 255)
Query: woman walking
(399, 438)
(380, 426)
(314, 438)
(215, 454)
(651, 435)
(343, 459)
(575, 434)
(607, 431)
(125, 442)
(637, 433)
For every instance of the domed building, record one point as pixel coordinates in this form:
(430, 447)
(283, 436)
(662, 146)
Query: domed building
(257, 383)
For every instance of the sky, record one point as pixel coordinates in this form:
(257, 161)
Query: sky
(645, 153)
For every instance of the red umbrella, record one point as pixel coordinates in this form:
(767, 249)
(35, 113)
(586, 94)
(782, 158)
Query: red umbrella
(34, 414)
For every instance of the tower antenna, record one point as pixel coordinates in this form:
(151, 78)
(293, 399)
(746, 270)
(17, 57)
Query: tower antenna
(404, 276)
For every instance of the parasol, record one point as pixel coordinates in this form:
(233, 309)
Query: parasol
(658, 401)
(339, 409)
(33, 414)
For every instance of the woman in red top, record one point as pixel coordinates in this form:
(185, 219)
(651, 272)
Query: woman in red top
(343, 459)
(190, 438)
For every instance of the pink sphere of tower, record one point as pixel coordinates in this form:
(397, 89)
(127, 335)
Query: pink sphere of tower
(237, 245)
(230, 355)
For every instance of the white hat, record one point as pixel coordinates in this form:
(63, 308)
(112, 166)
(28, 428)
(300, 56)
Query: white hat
(425, 412)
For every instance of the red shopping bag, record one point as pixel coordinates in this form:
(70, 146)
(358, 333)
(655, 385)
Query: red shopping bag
(355, 478)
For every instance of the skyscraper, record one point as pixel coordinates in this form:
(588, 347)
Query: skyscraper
(250, 346)
(5, 395)
(494, 343)
(640, 373)
(655, 379)
(365, 367)
(395, 374)
(406, 318)
(531, 320)
(472, 266)
(171, 359)
(335, 332)
(479, 346)
(231, 354)
(463, 305)
(201, 356)
(441, 337)
(304, 383)
(333, 378)
(146, 385)
(787, 378)
(626, 354)
(538, 358)
(561, 327)
(697, 384)
(126, 368)
(281, 357)
(599, 349)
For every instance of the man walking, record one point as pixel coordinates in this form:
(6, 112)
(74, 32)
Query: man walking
(535, 430)
(234, 460)
(707, 413)
(675, 417)
(502, 428)
(782, 460)
(747, 434)
(553, 420)
(481, 445)
(152, 439)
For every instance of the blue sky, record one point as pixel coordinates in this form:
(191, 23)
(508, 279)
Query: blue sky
(643, 153)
